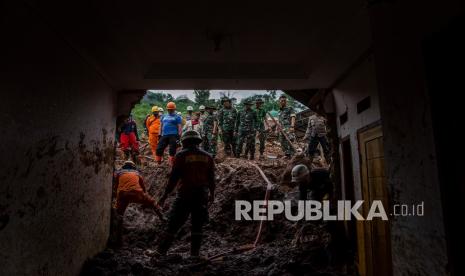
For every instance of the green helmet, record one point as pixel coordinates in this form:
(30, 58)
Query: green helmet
(299, 173)
(191, 135)
(259, 100)
(128, 164)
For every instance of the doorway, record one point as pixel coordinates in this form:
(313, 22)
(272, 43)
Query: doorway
(374, 256)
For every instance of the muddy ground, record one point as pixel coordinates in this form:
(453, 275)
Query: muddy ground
(285, 248)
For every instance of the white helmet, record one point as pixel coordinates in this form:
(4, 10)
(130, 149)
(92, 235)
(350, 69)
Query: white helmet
(299, 173)
(202, 108)
(160, 109)
(190, 108)
(179, 113)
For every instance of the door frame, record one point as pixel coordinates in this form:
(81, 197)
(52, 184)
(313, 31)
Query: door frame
(366, 244)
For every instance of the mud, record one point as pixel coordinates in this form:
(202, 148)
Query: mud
(285, 248)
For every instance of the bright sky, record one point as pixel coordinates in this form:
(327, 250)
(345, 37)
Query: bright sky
(215, 94)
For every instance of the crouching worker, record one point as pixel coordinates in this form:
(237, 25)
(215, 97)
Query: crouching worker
(130, 189)
(316, 180)
(193, 173)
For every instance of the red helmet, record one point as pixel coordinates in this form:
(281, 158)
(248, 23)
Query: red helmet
(170, 105)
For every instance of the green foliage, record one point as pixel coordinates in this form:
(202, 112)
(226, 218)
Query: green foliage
(202, 97)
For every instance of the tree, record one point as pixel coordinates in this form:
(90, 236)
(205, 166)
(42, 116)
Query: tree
(201, 96)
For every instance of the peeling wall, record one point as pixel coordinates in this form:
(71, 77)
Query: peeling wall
(418, 243)
(358, 85)
(56, 153)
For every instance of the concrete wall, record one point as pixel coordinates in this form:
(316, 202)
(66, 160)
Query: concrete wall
(56, 154)
(399, 29)
(359, 84)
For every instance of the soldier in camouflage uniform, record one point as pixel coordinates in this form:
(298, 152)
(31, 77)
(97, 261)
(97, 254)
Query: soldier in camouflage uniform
(226, 122)
(209, 131)
(261, 122)
(287, 123)
(246, 128)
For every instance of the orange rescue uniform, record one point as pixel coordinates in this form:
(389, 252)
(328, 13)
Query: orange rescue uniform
(131, 189)
(153, 127)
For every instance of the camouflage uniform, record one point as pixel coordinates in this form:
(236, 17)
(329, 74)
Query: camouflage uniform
(285, 115)
(261, 117)
(246, 124)
(226, 121)
(209, 140)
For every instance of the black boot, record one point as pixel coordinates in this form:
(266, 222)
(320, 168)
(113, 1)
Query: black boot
(252, 156)
(196, 242)
(164, 243)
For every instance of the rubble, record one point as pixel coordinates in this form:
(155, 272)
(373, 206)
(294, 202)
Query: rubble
(285, 247)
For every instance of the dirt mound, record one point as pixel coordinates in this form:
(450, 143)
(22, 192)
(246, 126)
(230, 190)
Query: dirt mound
(285, 247)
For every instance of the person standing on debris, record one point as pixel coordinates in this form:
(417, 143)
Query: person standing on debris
(190, 111)
(262, 125)
(245, 129)
(317, 134)
(226, 121)
(130, 188)
(152, 125)
(286, 124)
(193, 173)
(202, 113)
(210, 131)
(129, 138)
(193, 124)
(171, 130)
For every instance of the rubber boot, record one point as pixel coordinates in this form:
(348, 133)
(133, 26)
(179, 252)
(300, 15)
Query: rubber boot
(165, 241)
(262, 157)
(196, 242)
(252, 156)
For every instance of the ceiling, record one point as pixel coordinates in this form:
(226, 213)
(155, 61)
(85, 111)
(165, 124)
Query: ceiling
(234, 45)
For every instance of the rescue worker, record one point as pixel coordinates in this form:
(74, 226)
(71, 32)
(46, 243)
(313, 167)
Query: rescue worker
(210, 131)
(316, 180)
(245, 129)
(183, 120)
(262, 125)
(130, 188)
(161, 111)
(148, 116)
(193, 173)
(193, 124)
(171, 130)
(202, 112)
(152, 124)
(190, 111)
(226, 123)
(317, 134)
(129, 138)
(286, 119)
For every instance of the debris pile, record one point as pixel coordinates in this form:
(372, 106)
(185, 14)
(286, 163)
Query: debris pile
(285, 247)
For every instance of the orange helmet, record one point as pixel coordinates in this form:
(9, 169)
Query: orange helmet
(170, 105)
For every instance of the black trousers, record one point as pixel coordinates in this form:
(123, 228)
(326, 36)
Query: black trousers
(193, 203)
(164, 142)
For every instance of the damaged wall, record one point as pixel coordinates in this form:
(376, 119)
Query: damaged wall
(358, 85)
(418, 243)
(56, 152)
